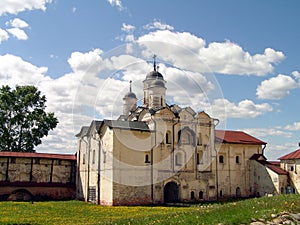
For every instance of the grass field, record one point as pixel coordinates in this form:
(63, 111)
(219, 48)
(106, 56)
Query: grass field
(76, 212)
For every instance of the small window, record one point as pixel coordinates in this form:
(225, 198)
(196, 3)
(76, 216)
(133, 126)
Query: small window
(94, 156)
(37, 161)
(104, 157)
(199, 158)
(237, 159)
(192, 195)
(199, 139)
(221, 159)
(13, 160)
(147, 160)
(221, 194)
(168, 137)
(200, 194)
(178, 159)
(238, 192)
(292, 168)
(83, 159)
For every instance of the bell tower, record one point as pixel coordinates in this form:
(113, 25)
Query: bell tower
(154, 89)
(129, 102)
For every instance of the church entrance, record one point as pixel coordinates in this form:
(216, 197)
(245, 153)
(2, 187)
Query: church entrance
(171, 192)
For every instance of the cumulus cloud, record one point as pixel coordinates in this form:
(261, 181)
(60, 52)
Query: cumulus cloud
(3, 35)
(117, 3)
(14, 7)
(266, 132)
(18, 33)
(277, 87)
(18, 23)
(97, 83)
(193, 53)
(158, 25)
(293, 127)
(243, 109)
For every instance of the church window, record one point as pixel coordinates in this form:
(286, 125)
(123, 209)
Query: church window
(199, 139)
(192, 195)
(37, 161)
(237, 159)
(104, 157)
(199, 157)
(83, 159)
(221, 159)
(200, 194)
(221, 194)
(147, 158)
(238, 192)
(168, 137)
(186, 136)
(94, 155)
(178, 159)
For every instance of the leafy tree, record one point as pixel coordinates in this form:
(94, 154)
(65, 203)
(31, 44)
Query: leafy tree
(23, 119)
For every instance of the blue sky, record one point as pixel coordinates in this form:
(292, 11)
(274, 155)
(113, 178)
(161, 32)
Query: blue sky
(237, 60)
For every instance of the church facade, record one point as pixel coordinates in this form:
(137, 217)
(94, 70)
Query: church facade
(159, 153)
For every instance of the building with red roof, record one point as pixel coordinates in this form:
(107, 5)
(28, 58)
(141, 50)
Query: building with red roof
(291, 163)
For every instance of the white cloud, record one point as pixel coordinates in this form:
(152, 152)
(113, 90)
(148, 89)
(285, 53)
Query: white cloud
(277, 87)
(243, 109)
(14, 70)
(17, 23)
(18, 33)
(15, 6)
(293, 127)
(97, 84)
(266, 132)
(158, 25)
(191, 52)
(116, 3)
(3, 35)
(127, 28)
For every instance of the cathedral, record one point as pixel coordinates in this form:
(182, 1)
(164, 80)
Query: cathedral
(158, 153)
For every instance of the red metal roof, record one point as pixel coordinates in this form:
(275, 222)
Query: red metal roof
(276, 169)
(237, 137)
(38, 155)
(292, 155)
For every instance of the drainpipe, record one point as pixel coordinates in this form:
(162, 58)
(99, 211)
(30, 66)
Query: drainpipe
(216, 160)
(88, 175)
(173, 142)
(99, 168)
(151, 161)
(265, 145)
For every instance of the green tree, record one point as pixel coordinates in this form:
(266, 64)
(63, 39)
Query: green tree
(23, 119)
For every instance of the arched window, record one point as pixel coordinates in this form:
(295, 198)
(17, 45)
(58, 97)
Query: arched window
(186, 136)
(147, 160)
(221, 159)
(168, 137)
(199, 139)
(200, 194)
(199, 157)
(192, 195)
(93, 157)
(237, 159)
(221, 194)
(83, 159)
(178, 159)
(238, 192)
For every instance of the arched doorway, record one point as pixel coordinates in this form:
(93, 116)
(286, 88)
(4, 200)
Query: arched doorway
(20, 195)
(171, 192)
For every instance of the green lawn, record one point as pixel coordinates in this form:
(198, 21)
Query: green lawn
(76, 212)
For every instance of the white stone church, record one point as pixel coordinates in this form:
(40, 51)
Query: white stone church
(159, 153)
